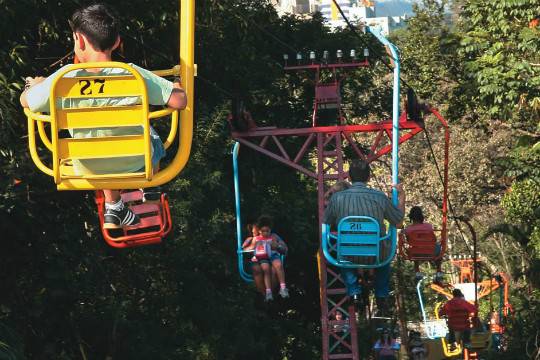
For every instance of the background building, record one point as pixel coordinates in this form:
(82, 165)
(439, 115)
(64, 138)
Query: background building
(357, 11)
(300, 7)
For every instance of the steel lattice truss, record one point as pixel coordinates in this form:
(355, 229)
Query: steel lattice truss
(318, 152)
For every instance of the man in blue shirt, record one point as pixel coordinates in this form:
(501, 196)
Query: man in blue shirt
(360, 200)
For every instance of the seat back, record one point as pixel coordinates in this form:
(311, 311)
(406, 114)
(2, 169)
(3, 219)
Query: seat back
(155, 223)
(420, 245)
(358, 240)
(106, 116)
(358, 243)
(435, 329)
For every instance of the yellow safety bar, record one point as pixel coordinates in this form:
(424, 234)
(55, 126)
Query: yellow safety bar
(63, 149)
(446, 351)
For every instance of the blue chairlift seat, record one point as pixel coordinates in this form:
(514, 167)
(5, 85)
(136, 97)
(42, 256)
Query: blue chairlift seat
(357, 243)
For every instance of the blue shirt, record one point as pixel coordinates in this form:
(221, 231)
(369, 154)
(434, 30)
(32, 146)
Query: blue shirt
(361, 200)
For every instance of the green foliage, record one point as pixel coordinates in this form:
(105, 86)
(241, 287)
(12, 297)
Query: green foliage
(500, 52)
(11, 347)
(428, 50)
(522, 202)
(66, 295)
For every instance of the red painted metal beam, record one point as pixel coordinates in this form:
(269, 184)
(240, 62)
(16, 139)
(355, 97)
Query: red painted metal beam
(277, 157)
(361, 128)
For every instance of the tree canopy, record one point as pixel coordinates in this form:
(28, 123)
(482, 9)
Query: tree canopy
(65, 294)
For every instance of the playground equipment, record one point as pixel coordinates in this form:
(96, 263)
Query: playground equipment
(329, 142)
(474, 290)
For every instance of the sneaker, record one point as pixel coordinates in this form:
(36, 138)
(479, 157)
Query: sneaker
(439, 277)
(152, 194)
(116, 219)
(419, 276)
(268, 297)
(284, 292)
(452, 347)
(467, 345)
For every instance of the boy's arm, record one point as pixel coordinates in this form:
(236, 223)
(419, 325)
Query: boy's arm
(247, 242)
(442, 310)
(471, 308)
(279, 245)
(329, 217)
(29, 83)
(178, 98)
(163, 92)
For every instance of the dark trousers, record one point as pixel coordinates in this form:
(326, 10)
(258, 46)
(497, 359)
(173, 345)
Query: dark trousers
(465, 336)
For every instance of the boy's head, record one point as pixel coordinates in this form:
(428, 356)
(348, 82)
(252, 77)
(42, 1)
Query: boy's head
(95, 29)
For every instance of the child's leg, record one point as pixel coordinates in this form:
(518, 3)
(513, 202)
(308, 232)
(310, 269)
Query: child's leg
(267, 271)
(275, 281)
(451, 336)
(158, 150)
(278, 265)
(111, 196)
(258, 277)
(417, 266)
(117, 214)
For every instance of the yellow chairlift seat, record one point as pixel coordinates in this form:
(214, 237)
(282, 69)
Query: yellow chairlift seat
(69, 152)
(115, 107)
(445, 345)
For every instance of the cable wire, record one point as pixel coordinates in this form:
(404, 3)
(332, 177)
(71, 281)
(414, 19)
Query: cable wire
(456, 218)
(450, 207)
(353, 29)
(268, 33)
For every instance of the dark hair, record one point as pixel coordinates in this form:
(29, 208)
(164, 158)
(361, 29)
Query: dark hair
(264, 220)
(98, 24)
(359, 170)
(457, 293)
(390, 336)
(416, 215)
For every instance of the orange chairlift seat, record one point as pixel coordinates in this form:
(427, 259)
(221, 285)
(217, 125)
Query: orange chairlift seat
(154, 226)
(419, 245)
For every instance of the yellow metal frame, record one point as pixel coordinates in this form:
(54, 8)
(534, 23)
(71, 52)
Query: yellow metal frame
(186, 70)
(447, 352)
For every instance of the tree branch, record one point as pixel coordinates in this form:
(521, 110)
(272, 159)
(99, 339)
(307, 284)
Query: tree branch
(521, 131)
